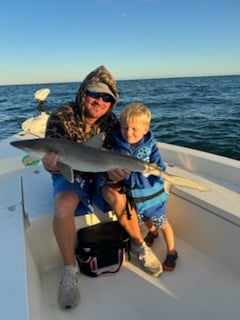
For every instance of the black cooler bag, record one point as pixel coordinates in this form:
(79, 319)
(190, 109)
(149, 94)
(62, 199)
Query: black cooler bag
(101, 248)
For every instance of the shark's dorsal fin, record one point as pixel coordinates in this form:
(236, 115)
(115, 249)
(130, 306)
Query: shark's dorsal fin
(95, 141)
(66, 171)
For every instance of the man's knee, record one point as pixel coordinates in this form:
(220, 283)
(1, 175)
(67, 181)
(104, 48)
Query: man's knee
(66, 203)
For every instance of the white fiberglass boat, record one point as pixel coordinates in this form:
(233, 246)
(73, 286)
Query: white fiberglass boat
(204, 285)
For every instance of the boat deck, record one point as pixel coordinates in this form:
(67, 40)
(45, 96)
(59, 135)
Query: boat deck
(199, 288)
(205, 284)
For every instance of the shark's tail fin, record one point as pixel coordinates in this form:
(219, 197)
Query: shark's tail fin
(183, 182)
(153, 169)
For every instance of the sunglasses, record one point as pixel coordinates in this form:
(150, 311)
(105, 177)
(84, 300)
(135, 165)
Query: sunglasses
(96, 95)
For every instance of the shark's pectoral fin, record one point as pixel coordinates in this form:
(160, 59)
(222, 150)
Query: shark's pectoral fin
(66, 171)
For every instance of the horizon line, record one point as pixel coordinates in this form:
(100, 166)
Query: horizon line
(130, 79)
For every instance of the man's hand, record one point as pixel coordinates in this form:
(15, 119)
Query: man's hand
(118, 174)
(50, 161)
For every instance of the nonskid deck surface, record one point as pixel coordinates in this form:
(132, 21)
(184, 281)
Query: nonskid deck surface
(199, 288)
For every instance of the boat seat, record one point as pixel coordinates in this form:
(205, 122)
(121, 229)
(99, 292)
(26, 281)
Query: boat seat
(38, 199)
(216, 201)
(37, 193)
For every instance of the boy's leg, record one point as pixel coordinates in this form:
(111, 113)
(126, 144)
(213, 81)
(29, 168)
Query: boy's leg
(152, 233)
(169, 263)
(168, 237)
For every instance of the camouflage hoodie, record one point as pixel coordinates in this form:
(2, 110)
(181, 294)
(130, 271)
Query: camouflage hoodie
(68, 121)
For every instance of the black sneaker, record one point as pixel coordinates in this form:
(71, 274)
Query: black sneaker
(170, 262)
(150, 237)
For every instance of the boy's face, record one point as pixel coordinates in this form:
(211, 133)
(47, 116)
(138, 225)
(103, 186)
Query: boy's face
(133, 130)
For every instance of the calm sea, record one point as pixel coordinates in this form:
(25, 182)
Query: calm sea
(197, 112)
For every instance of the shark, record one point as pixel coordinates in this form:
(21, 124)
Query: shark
(89, 156)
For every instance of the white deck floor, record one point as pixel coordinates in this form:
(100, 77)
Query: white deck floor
(199, 288)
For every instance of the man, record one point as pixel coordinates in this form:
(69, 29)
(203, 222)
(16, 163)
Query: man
(91, 113)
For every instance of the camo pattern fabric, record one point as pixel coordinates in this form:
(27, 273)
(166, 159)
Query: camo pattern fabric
(68, 121)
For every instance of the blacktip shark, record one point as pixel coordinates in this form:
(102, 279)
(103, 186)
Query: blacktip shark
(89, 157)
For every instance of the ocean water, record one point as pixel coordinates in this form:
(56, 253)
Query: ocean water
(202, 113)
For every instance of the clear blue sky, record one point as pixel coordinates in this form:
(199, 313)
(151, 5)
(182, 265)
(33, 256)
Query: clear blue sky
(62, 40)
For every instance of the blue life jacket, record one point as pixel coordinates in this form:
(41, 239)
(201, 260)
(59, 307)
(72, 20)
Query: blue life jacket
(148, 200)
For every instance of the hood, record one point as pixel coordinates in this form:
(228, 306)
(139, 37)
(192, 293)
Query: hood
(102, 75)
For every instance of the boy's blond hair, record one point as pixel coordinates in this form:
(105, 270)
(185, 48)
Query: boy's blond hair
(136, 111)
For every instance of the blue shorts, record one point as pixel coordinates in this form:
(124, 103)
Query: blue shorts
(157, 215)
(157, 221)
(88, 191)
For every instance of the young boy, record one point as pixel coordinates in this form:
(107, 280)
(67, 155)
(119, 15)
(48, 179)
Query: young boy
(146, 194)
